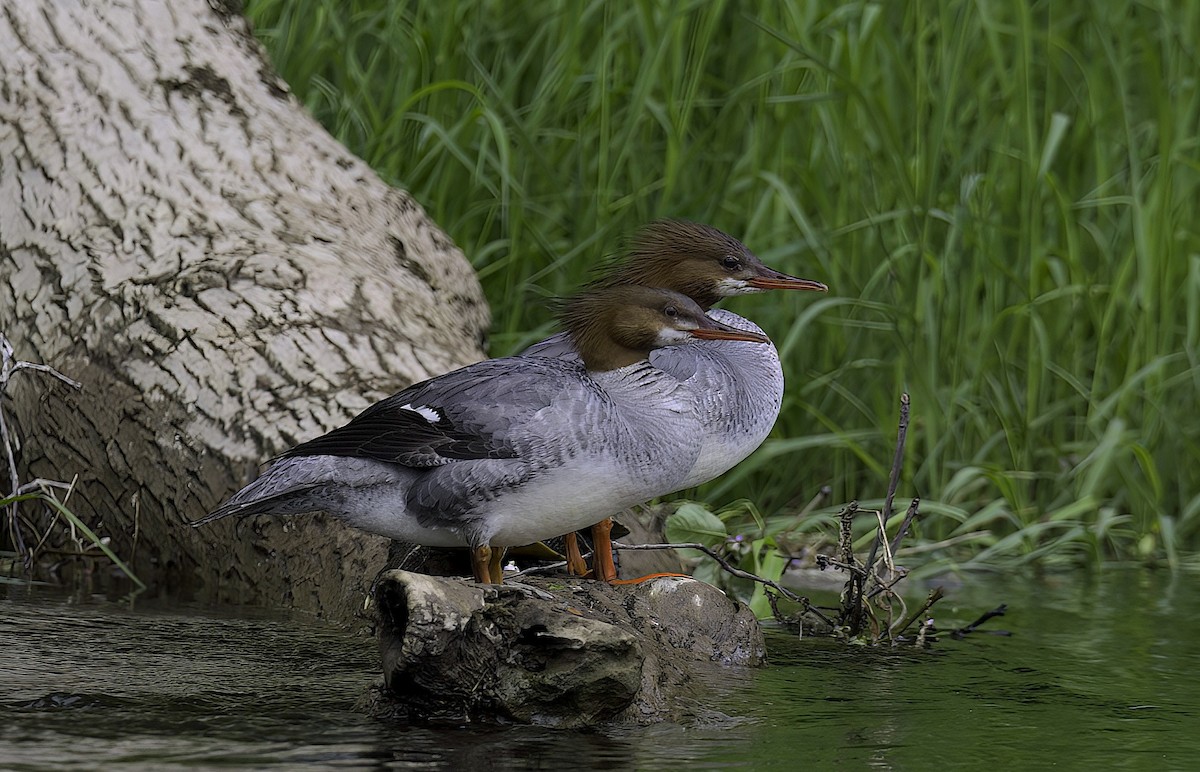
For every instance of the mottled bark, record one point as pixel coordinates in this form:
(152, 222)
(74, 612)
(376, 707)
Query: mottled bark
(225, 279)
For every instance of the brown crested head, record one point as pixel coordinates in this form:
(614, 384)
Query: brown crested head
(619, 325)
(696, 260)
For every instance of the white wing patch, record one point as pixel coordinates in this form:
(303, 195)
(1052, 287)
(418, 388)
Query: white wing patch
(426, 412)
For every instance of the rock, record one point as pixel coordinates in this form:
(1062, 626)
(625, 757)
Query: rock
(559, 652)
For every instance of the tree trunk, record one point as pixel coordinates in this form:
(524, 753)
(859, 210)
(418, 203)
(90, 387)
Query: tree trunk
(223, 277)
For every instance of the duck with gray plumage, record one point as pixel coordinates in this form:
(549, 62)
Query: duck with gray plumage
(739, 386)
(511, 451)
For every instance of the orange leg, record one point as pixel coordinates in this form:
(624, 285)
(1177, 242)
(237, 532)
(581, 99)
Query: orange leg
(575, 563)
(496, 565)
(481, 559)
(603, 567)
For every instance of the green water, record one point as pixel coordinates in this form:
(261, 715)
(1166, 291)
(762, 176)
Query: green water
(1101, 671)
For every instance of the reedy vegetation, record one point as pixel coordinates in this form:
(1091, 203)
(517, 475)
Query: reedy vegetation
(1003, 199)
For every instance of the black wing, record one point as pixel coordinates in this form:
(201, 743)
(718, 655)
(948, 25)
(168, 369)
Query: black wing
(401, 435)
(464, 415)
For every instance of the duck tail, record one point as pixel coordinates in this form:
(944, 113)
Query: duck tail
(233, 507)
(276, 492)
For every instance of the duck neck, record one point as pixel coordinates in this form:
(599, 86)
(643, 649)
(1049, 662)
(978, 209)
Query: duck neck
(608, 340)
(603, 354)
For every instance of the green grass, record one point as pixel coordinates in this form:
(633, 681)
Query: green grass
(81, 535)
(1002, 197)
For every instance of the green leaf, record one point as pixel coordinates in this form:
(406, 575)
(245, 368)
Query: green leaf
(694, 523)
(79, 524)
(768, 564)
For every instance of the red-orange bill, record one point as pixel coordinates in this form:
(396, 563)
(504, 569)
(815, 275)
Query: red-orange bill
(729, 333)
(785, 282)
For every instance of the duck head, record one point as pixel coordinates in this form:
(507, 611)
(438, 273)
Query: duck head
(698, 261)
(619, 325)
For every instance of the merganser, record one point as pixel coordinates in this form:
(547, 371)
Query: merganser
(739, 385)
(511, 451)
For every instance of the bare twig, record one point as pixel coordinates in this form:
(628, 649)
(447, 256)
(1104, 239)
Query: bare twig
(934, 596)
(886, 584)
(824, 561)
(894, 480)
(137, 523)
(924, 632)
(45, 488)
(846, 534)
(854, 606)
(806, 607)
(888, 558)
(41, 484)
(543, 568)
(9, 366)
(898, 457)
(909, 516)
(773, 599)
(725, 564)
(962, 632)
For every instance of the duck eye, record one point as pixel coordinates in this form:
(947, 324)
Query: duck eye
(731, 263)
(671, 311)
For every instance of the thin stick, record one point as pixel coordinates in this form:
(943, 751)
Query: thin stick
(9, 365)
(934, 596)
(773, 599)
(542, 568)
(909, 516)
(47, 369)
(806, 606)
(846, 534)
(851, 609)
(894, 480)
(43, 485)
(888, 558)
(898, 458)
(14, 479)
(824, 561)
(729, 568)
(962, 632)
(923, 633)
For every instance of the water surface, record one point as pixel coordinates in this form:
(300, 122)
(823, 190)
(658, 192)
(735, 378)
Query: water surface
(1101, 671)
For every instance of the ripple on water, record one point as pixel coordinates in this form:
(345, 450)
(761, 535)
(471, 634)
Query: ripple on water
(1099, 671)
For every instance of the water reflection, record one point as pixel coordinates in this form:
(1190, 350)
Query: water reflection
(1101, 670)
